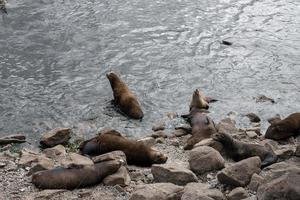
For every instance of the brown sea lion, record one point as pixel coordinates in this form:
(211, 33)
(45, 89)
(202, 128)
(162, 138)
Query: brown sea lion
(136, 152)
(200, 101)
(238, 150)
(76, 176)
(124, 98)
(283, 129)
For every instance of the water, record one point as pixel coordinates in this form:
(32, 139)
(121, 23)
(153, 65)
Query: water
(54, 56)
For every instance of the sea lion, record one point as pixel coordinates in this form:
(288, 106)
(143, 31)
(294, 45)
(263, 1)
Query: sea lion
(136, 152)
(200, 101)
(75, 176)
(124, 98)
(238, 150)
(2, 6)
(283, 129)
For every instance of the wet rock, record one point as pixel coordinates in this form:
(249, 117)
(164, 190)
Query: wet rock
(55, 152)
(29, 157)
(227, 125)
(148, 141)
(12, 139)
(201, 191)
(121, 177)
(240, 173)
(210, 143)
(74, 159)
(285, 187)
(297, 152)
(285, 152)
(173, 173)
(159, 134)
(255, 182)
(253, 117)
(55, 137)
(251, 134)
(237, 194)
(160, 126)
(114, 155)
(161, 191)
(204, 159)
(263, 98)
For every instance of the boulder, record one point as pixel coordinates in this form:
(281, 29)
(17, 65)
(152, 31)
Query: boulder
(227, 125)
(12, 139)
(173, 173)
(29, 157)
(114, 155)
(55, 137)
(204, 159)
(237, 194)
(121, 177)
(161, 191)
(255, 182)
(253, 117)
(285, 187)
(240, 173)
(201, 191)
(211, 143)
(148, 141)
(74, 159)
(55, 152)
(285, 152)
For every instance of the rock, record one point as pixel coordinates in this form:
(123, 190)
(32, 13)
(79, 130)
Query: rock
(263, 98)
(114, 155)
(240, 173)
(29, 157)
(160, 140)
(44, 194)
(201, 191)
(255, 182)
(40, 166)
(179, 132)
(55, 137)
(253, 117)
(285, 187)
(55, 152)
(159, 134)
(297, 152)
(210, 143)
(255, 129)
(159, 126)
(285, 152)
(237, 194)
(12, 139)
(148, 141)
(171, 115)
(175, 142)
(2, 164)
(251, 134)
(74, 159)
(251, 198)
(270, 144)
(173, 173)
(204, 159)
(227, 125)
(158, 191)
(121, 177)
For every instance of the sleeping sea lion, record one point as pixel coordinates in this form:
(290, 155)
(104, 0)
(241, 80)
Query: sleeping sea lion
(136, 152)
(124, 98)
(238, 150)
(76, 176)
(283, 129)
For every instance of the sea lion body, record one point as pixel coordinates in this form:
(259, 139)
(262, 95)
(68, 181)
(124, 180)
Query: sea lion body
(136, 152)
(75, 177)
(202, 127)
(283, 129)
(124, 98)
(238, 150)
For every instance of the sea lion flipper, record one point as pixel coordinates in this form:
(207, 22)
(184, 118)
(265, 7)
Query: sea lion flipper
(210, 99)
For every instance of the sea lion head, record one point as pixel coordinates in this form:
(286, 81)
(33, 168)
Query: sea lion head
(275, 130)
(158, 157)
(198, 101)
(222, 137)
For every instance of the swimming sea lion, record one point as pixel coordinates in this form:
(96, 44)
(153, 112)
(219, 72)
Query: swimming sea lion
(283, 129)
(76, 176)
(124, 98)
(238, 150)
(136, 152)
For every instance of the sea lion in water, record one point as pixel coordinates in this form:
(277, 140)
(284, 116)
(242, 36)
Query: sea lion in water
(136, 152)
(124, 98)
(283, 129)
(2, 6)
(238, 150)
(76, 176)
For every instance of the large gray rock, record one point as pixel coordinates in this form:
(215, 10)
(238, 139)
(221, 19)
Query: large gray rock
(237, 194)
(114, 155)
(240, 173)
(173, 173)
(55, 137)
(201, 191)
(285, 187)
(158, 191)
(121, 177)
(204, 159)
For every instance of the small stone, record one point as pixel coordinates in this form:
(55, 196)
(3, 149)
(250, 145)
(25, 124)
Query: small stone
(201, 191)
(159, 134)
(211, 143)
(160, 140)
(55, 137)
(175, 142)
(148, 141)
(114, 155)
(173, 173)
(172, 115)
(159, 126)
(121, 177)
(253, 117)
(179, 132)
(2, 164)
(251, 134)
(255, 182)
(237, 194)
(255, 129)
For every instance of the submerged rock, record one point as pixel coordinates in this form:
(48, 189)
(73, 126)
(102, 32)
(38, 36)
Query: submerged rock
(55, 137)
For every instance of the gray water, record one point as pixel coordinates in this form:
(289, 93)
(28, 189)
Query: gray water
(54, 55)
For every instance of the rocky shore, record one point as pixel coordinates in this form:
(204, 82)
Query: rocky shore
(205, 172)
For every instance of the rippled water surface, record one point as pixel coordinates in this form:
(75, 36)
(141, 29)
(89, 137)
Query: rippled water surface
(54, 55)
